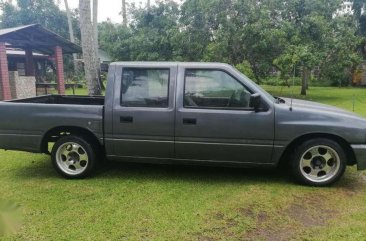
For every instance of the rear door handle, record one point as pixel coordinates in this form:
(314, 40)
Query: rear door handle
(189, 121)
(126, 119)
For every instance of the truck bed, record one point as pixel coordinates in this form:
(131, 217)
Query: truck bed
(25, 122)
(63, 100)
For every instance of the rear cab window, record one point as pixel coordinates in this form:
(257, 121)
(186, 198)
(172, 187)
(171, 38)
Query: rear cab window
(145, 87)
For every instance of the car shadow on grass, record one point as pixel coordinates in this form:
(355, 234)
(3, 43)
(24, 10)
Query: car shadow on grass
(191, 173)
(187, 173)
(353, 181)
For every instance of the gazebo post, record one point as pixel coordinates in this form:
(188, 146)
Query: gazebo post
(60, 70)
(4, 74)
(29, 63)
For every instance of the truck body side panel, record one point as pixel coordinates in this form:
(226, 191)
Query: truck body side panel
(23, 125)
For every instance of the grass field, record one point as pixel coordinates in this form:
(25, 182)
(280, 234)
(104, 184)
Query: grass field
(346, 98)
(147, 202)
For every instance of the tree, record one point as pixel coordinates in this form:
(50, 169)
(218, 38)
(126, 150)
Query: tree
(316, 38)
(116, 39)
(343, 53)
(196, 18)
(95, 26)
(71, 33)
(357, 7)
(124, 13)
(360, 19)
(154, 32)
(88, 46)
(44, 12)
(96, 42)
(256, 36)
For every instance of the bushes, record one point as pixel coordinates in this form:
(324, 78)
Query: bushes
(277, 81)
(246, 69)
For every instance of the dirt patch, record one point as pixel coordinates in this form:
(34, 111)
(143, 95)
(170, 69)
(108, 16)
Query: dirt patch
(220, 225)
(302, 213)
(204, 238)
(269, 234)
(262, 217)
(219, 216)
(306, 211)
(363, 177)
(231, 223)
(310, 211)
(354, 184)
(249, 212)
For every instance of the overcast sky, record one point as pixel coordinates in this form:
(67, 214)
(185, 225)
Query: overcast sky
(108, 8)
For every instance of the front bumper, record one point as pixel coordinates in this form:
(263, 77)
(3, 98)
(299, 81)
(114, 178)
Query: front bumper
(360, 154)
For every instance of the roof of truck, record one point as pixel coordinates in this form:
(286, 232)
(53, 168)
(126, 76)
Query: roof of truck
(162, 63)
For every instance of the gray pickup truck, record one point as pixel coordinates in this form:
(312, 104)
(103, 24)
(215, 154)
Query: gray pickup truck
(191, 113)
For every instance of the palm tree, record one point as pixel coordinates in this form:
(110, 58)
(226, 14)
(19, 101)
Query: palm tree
(124, 13)
(71, 32)
(88, 45)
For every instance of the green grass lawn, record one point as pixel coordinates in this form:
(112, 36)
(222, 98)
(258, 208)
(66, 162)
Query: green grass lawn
(152, 202)
(344, 98)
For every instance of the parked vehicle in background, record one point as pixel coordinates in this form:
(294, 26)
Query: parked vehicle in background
(190, 113)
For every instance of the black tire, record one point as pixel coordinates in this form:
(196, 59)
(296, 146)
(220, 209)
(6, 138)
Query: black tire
(306, 153)
(86, 166)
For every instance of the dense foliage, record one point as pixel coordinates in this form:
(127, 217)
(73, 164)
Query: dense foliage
(262, 38)
(44, 12)
(266, 39)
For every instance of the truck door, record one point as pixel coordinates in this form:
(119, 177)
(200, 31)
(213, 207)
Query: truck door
(143, 110)
(214, 121)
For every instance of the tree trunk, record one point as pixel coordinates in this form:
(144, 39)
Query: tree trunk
(148, 4)
(88, 46)
(95, 25)
(71, 33)
(286, 82)
(304, 81)
(96, 42)
(124, 13)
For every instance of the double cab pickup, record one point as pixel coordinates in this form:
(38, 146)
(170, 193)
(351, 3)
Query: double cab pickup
(185, 113)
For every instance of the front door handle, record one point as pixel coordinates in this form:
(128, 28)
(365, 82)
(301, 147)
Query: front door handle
(126, 119)
(189, 121)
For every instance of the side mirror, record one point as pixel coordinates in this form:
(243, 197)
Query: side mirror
(255, 101)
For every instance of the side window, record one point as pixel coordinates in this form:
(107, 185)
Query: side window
(145, 87)
(214, 89)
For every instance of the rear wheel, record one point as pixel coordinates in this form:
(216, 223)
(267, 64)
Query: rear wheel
(73, 157)
(318, 162)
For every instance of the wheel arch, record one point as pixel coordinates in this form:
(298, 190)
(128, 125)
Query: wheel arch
(56, 133)
(351, 159)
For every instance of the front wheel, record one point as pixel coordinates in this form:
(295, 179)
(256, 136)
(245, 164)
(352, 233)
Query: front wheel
(73, 157)
(318, 162)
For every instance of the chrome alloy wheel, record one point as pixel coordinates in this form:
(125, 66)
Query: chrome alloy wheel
(72, 158)
(319, 163)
